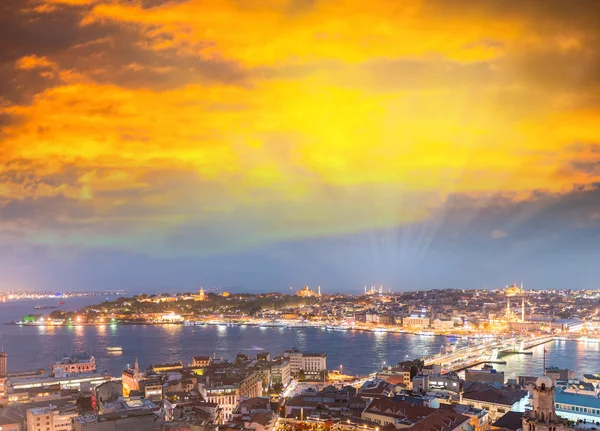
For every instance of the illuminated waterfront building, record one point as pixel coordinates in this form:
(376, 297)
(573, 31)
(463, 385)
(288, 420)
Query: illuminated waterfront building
(201, 361)
(74, 364)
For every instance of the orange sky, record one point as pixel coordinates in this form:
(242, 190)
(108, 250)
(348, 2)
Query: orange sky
(126, 121)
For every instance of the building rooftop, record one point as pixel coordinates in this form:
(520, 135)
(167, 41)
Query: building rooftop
(129, 404)
(440, 420)
(577, 399)
(65, 409)
(375, 387)
(398, 410)
(510, 421)
(504, 396)
(46, 380)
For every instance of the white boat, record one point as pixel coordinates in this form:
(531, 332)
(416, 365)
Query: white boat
(114, 349)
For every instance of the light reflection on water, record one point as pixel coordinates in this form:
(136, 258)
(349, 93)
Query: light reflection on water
(358, 352)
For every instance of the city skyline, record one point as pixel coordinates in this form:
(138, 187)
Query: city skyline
(153, 145)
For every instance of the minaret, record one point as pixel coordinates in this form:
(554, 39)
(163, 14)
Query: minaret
(291, 291)
(365, 289)
(319, 290)
(522, 303)
(136, 367)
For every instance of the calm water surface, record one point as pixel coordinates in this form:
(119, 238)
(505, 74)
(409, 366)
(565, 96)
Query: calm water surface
(358, 352)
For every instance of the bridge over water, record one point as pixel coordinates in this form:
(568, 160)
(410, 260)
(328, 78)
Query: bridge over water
(489, 352)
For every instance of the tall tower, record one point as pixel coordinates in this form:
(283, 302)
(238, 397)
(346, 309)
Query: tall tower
(543, 417)
(319, 290)
(365, 289)
(522, 303)
(3, 363)
(291, 291)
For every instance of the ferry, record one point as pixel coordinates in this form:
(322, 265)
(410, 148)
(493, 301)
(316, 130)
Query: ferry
(114, 349)
(188, 323)
(44, 307)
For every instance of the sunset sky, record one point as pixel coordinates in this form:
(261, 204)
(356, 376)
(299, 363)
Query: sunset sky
(258, 144)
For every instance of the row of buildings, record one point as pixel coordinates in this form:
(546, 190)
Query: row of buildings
(262, 393)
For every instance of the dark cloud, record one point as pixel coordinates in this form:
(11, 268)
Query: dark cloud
(575, 69)
(582, 158)
(541, 14)
(148, 4)
(589, 167)
(107, 52)
(534, 218)
(585, 147)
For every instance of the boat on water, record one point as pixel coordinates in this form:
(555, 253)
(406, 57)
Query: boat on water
(114, 349)
(60, 303)
(44, 307)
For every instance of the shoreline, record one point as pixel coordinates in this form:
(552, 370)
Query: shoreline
(379, 329)
(260, 325)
